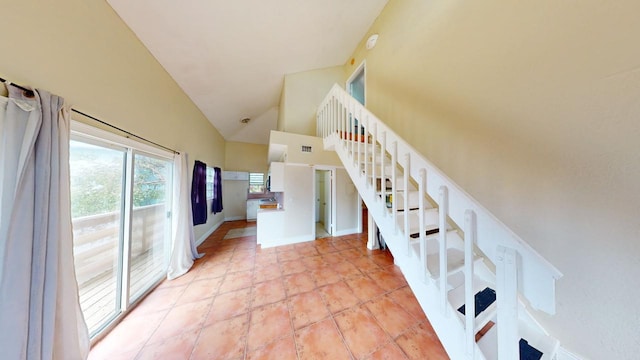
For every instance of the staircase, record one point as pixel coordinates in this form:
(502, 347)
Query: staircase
(474, 278)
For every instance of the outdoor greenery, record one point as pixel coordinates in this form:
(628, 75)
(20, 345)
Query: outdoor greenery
(97, 180)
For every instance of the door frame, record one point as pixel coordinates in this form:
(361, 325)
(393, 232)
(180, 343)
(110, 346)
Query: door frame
(332, 198)
(361, 68)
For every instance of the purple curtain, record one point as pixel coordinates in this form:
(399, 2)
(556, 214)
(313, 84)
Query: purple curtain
(199, 193)
(216, 204)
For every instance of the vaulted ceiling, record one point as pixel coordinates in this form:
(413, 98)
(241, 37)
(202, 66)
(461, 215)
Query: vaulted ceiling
(230, 57)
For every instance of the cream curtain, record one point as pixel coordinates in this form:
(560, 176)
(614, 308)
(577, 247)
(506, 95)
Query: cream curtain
(40, 315)
(183, 242)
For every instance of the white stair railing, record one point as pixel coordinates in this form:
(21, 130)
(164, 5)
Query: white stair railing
(470, 304)
(519, 268)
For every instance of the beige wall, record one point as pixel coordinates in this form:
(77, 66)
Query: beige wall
(82, 51)
(246, 157)
(347, 203)
(533, 109)
(301, 94)
(292, 143)
(299, 204)
(241, 157)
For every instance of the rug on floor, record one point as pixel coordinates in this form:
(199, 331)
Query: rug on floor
(236, 233)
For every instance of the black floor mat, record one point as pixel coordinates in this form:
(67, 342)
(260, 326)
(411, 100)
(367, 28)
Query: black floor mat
(483, 299)
(528, 352)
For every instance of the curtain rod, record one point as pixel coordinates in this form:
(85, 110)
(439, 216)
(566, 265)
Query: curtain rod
(96, 119)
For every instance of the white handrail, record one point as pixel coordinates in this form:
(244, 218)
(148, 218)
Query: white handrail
(538, 275)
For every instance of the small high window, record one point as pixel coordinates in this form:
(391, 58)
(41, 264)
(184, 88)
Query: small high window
(210, 176)
(256, 183)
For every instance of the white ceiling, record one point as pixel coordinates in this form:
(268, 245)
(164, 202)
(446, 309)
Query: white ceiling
(230, 57)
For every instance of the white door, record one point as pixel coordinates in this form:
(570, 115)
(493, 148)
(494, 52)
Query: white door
(319, 188)
(327, 201)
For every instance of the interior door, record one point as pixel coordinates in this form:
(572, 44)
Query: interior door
(327, 201)
(319, 197)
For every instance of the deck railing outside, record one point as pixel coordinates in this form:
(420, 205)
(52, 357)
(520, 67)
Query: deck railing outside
(96, 249)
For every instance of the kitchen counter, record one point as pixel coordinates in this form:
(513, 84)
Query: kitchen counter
(270, 227)
(268, 204)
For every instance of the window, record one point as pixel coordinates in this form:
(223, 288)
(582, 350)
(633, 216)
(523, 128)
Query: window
(121, 205)
(210, 177)
(256, 183)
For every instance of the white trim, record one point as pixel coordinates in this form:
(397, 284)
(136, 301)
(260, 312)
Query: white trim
(362, 67)
(209, 232)
(564, 354)
(234, 218)
(334, 198)
(359, 209)
(91, 132)
(346, 232)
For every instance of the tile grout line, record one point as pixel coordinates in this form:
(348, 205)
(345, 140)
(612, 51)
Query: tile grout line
(193, 348)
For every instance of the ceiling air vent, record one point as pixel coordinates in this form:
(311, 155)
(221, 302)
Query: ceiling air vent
(306, 148)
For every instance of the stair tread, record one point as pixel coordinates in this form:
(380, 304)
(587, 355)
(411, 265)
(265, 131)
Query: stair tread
(483, 299)
(455, 262)
(457, 296)
(430, 216)
(542, 343)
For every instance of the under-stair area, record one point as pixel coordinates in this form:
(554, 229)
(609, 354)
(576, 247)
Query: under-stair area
(474, 278)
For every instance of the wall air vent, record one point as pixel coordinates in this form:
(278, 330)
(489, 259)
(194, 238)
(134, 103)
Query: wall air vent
(306, 148)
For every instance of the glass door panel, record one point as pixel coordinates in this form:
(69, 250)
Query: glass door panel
(97, 175)
(150, 229)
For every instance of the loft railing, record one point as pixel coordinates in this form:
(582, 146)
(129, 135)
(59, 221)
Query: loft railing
(365, 145)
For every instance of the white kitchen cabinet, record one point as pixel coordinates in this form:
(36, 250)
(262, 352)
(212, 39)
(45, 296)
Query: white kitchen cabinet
(276, 173)
(235, 175)
(252, 209)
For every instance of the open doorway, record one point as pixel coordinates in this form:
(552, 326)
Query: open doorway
(323, 203)
(356, 85)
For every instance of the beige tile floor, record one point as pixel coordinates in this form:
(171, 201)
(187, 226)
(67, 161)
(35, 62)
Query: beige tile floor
(325, 299)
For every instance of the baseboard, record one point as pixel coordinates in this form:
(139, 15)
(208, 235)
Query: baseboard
(564, 354)
(234, 218)
(346, 232)
(206, 235)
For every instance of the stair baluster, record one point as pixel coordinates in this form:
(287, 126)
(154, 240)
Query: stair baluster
(405, 205)
(383, 180)
(507, 301)
(366, 149)
(335, 119)
(352, 130)
(341, 121)
(373, 160)
(394, 187)
(423, 236)
(470, 303)
(358, 132)
(443, 212)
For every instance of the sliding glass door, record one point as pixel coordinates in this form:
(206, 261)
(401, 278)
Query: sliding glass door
(97, 199)
(121, 203)
(150, 225)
